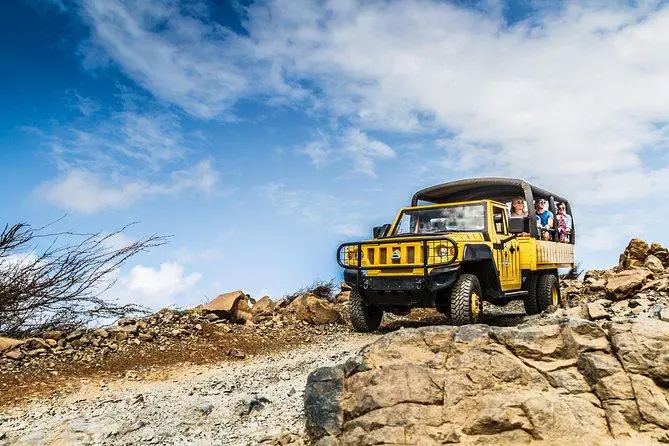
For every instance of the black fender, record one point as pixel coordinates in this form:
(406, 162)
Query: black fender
(478, 260)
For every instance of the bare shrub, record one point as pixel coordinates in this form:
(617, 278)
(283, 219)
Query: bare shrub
(320, 288)
(573, 274)
(57, 280)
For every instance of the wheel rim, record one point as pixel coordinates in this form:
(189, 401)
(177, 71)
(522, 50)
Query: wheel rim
(554, 296)
(476, 306)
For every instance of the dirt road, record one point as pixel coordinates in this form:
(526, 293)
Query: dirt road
(236, 403)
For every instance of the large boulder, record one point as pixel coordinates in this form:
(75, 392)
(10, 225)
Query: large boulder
(9, 343)
(635, 254)
(308, 307)
(661, 253)
(622, 284)
(233, 306)
(263, 309)
(565, 381)
(654, 264)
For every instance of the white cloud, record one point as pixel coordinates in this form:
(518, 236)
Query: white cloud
(352, 145)
(180, 58)
(156, 288)
(86, 191)
(583, 92)
(579, 90)
(315, 208)
(84, 105)
(116, 162)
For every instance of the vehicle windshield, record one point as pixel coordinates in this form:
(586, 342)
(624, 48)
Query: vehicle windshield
(466, 217)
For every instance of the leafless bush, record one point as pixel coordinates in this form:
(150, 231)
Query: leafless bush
(573, 274)
(321, 288)
(57, 280)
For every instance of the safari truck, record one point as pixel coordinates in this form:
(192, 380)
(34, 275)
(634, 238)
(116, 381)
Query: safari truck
(455, 247)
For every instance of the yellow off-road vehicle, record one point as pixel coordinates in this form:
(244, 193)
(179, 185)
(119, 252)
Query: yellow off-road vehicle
(455, 247)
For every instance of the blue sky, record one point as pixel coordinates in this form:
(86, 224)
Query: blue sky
(260, 135)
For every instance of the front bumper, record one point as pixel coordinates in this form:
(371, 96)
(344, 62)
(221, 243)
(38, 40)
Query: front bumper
(393, 291)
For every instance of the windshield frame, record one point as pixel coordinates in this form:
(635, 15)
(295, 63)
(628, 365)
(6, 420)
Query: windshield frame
(484, 203)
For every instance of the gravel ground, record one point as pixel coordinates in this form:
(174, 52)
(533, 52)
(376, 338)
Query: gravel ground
(228, 403)
(236, 403)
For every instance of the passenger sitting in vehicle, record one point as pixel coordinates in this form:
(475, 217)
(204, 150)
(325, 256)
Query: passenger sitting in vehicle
(564, 223)
(518, 211)
(544, 219)
(518, 207)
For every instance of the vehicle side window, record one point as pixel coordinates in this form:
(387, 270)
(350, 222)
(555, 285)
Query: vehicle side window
(499, 220)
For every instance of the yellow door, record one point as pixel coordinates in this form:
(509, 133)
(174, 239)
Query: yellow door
(505, 252)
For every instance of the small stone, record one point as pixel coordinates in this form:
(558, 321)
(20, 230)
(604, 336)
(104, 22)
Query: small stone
(204, 409)
(145, 337)
(211, 317)
(198, 327)
(664, 314)
(126, 321)
(102, 333)
(53, 334)
(36, 352)
(237, 353)
(14, 354)
(51, 342)
(251, 403)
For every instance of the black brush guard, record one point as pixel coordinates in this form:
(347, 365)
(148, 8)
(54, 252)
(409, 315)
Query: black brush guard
(395, 290)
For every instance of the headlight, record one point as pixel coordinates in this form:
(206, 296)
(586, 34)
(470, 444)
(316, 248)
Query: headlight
(445, 251)
(352, 253)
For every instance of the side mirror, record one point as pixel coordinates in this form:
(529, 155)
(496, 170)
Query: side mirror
(380, 231)
(519, 224)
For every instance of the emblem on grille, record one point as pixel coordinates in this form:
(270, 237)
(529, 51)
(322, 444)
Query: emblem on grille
(396, 254)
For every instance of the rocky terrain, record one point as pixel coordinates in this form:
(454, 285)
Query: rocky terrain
(245, 402)
(594, 372)
(637, 287)
(569, 380)
(234, 371)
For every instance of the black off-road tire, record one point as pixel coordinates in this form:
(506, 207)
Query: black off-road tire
(364, 318)
(546, 285)
(461, 300)
(531, 304)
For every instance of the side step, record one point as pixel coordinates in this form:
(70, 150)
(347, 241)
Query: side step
(515, 294)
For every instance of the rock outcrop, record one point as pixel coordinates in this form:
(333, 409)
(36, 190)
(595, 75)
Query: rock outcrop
(567, 380)
(310, 308)
(637, 287)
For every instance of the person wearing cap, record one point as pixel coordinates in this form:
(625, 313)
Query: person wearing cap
(544, 219)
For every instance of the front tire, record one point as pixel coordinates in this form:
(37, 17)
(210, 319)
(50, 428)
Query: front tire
(364, 318)
(466, 300)
(548, 291)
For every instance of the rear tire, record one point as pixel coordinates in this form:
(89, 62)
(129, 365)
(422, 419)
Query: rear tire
(364, 318)
(466, 300)
(548, 291)
(531, 304)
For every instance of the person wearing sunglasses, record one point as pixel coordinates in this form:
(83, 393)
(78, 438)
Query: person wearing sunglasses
(518, 207)
(544, 219)
(564, 223)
